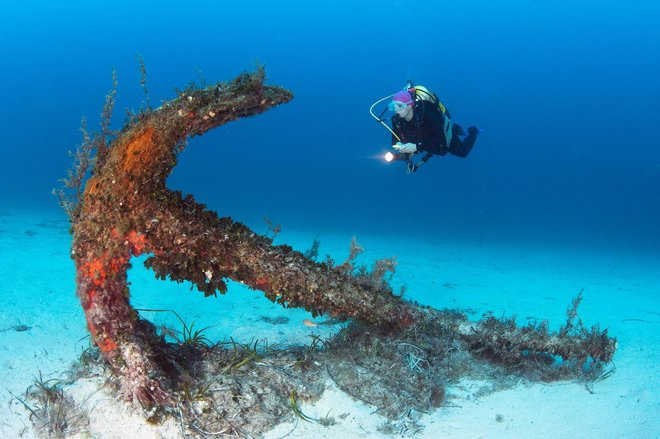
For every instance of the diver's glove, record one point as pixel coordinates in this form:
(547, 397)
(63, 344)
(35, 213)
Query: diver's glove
(405, 148)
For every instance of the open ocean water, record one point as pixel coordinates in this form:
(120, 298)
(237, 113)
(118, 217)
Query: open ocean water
(564, 180)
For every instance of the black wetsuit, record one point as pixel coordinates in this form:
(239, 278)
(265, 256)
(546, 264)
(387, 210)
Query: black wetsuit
(426, 130)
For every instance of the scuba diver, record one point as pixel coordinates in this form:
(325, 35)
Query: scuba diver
(421, 124)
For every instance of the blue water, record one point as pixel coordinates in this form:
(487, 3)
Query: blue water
(567, 94)
(561, 192)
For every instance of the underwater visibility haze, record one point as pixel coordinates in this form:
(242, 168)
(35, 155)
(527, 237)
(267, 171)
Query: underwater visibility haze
(566, 95)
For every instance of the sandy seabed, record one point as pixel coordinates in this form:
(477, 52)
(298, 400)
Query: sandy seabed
(43, 331)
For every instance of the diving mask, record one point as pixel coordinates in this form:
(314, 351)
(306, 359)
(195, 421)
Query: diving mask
(397, 106)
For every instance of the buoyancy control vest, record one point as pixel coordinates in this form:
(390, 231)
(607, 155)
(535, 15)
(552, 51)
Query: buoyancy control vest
(421, 93)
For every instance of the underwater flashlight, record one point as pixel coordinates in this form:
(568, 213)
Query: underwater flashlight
(389, 156)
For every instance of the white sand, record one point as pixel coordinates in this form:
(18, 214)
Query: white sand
(621, 292)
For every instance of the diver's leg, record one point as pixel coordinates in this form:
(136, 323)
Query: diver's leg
(457, 130)
(461, 148)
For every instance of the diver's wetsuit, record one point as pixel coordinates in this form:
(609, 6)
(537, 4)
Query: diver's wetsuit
(426, 130)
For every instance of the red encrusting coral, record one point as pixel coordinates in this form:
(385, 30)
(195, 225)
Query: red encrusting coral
(105, 344)
(138, 242)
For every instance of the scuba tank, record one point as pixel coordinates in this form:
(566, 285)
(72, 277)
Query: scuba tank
(421, 93)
